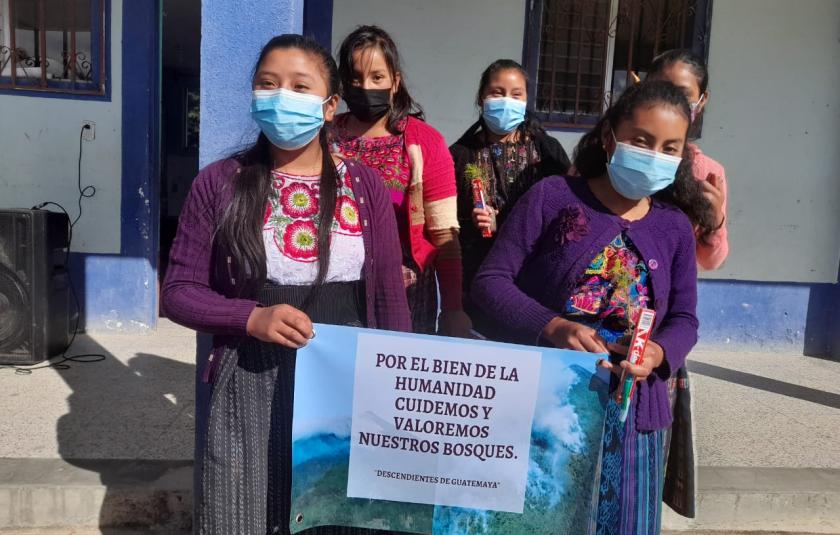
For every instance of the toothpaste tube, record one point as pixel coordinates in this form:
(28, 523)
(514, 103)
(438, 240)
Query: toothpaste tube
(635, 355)
(478, 202)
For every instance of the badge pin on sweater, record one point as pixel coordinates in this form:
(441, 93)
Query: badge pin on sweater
(472, 173)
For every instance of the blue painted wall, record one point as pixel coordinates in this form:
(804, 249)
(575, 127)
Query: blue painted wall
(759, 316)
(233, 32)
(118, 293)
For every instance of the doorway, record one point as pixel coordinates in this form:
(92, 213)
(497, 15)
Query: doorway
(180, 117)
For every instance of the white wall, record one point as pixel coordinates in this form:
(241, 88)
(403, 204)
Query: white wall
(774, 122)
(39, 150)
(444, 47)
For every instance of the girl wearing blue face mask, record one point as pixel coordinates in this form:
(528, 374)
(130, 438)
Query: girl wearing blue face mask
(271, 240)
(578, 259)
(512, 152)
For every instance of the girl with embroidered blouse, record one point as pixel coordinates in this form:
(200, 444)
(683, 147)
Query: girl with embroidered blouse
(578, 259)
(271, 240)
(512, 153)
(385, 130)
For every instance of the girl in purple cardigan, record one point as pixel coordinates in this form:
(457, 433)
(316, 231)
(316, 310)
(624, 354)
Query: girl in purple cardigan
(278, 237)
(578, 258)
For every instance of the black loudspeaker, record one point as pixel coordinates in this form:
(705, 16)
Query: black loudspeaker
(35, 306)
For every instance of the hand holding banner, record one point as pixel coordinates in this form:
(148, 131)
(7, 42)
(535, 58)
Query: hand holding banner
(428, 434)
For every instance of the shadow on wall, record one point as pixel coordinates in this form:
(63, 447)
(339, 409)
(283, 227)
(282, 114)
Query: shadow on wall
(132, 423)
(822, 327)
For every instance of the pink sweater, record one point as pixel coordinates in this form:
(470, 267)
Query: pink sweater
(712, 254)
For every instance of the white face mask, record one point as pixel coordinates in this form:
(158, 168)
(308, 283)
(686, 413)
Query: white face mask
(695, 107)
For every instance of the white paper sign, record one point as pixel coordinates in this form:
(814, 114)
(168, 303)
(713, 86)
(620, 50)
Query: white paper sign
(442, 423)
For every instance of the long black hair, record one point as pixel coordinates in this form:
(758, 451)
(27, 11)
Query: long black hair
(365, 37)
(240, 229)
(685, 192)
(530, 126)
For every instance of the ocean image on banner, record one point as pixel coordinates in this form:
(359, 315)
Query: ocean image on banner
(563, 468)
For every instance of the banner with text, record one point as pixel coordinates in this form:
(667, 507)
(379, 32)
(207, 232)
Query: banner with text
(427, 434)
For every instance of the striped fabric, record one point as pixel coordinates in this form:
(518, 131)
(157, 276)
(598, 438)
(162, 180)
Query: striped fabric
(247, 459)
(632, 475)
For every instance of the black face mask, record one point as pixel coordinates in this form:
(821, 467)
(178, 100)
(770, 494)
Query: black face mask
(368, 105)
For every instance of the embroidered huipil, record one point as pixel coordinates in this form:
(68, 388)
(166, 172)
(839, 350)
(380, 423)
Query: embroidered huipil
(388, 155)
(427, 211)
(611, 292)
(290, 231)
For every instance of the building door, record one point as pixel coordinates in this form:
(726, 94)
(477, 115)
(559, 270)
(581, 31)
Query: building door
(181, 56)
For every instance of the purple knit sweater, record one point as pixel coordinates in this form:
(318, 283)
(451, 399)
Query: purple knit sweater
(202, 288)
(550, 237)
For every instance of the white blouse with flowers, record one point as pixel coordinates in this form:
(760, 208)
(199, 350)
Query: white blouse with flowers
(290, 231)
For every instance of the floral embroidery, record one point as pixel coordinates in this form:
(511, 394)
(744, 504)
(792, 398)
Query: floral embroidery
(347, 215)
(386, 154)
(572, 224)
(267, 214)
(300, 240)
(299, 200)
(291, 216)
(510, 169)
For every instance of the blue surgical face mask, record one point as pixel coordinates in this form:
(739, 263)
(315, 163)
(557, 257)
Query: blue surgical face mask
(290, 120)
(636, 173)
(503, 114)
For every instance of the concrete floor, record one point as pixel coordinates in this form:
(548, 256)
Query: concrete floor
(767, 430)
(136, 404)
(752, 409)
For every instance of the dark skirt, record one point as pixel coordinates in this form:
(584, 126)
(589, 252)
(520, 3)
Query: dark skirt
(246, 479)
(421, 291)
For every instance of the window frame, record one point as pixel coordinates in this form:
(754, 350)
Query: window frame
(100, 43)
(531, 56)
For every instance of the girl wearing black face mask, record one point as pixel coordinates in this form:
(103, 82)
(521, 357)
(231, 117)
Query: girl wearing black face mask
(385, 130)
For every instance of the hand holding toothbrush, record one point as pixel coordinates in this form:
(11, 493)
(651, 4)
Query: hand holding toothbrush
(653, 358)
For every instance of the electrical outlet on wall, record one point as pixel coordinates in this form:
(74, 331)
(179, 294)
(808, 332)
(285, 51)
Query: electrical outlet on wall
(88, 130)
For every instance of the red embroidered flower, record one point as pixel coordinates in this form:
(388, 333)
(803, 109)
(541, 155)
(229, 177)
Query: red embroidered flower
(267, 214)
(347, 181)
(347, 214)
(300, 240)
(299, 200)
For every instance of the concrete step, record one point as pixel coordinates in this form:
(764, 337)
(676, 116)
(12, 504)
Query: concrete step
(56, 493)
(83, 531)
(123, 497)
(763, 500)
